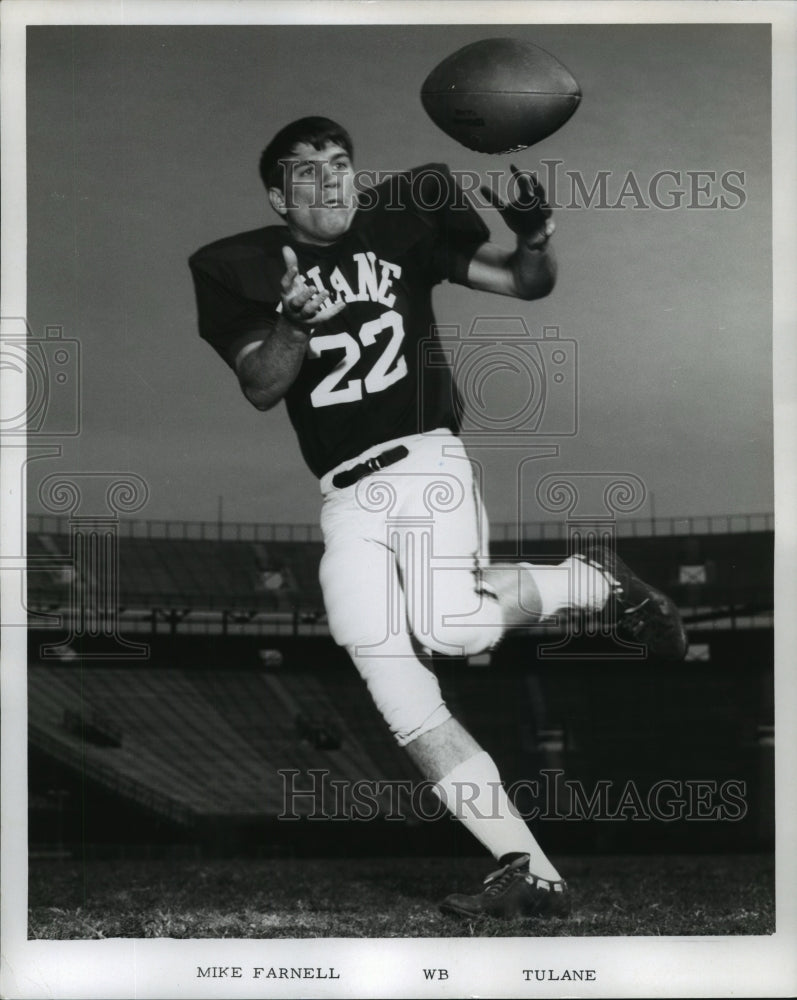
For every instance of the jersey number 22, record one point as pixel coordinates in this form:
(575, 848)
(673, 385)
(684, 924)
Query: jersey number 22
(389, 367)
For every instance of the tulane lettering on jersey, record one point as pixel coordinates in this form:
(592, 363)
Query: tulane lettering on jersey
(346, 348)
(374, 280)
(360, 383)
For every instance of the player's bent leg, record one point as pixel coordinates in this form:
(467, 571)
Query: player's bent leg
(595, 582)
(532, 594)
(464, 611)
(467, 611)
(471, 609)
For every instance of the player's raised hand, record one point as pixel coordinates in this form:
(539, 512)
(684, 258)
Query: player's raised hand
(303, 304)
(527, 214)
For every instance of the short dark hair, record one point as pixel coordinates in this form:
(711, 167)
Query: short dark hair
(314, 130)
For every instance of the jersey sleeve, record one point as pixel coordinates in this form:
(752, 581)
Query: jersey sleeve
(228, 318)
(437, 199)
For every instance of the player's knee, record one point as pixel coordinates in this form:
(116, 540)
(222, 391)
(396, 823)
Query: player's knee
(436, 718)
(405, 692)
(462, 639)
(459, 617)
(352, 631)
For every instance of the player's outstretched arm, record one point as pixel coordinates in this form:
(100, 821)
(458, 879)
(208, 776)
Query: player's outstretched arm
(528, 272)
(268, 368)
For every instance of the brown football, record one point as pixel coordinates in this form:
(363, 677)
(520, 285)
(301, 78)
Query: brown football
(500, 95)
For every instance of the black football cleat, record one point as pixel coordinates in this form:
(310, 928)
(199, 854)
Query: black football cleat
(511, 893)
(639, 612)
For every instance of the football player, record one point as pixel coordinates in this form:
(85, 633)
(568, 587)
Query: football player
(332, 312)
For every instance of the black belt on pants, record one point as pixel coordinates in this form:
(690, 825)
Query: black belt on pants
(351, 476)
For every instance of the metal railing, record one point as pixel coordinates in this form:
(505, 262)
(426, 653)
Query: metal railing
(252, 531)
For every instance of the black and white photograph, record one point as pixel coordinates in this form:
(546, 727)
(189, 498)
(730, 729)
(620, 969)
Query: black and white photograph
(398, 484)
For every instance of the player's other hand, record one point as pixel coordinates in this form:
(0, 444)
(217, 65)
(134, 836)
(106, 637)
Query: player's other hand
(527, 213)
(302, 304)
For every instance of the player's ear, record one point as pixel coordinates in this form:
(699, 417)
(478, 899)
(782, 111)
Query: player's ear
(277, 198)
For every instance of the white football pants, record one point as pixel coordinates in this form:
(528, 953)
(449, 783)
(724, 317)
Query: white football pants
(401, 573)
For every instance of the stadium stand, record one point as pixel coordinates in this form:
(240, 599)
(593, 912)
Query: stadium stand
(198, 573)
(196, 742)
(51, 583)
(204, 730)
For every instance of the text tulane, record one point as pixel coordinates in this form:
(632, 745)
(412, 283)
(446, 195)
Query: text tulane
(557, 975)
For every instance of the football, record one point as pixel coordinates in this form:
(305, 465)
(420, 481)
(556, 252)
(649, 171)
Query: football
(500, 95)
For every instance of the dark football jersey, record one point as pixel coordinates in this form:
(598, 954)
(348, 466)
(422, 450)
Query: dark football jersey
(371, 373)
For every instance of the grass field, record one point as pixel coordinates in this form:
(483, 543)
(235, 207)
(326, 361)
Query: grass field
(390, 898)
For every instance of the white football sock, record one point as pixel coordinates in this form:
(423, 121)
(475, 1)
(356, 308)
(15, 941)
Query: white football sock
(571, 584)
(473, 792)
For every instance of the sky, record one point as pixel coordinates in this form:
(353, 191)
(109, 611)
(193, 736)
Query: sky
(143, 145)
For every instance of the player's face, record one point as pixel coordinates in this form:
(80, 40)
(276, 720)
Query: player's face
(319, 198)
